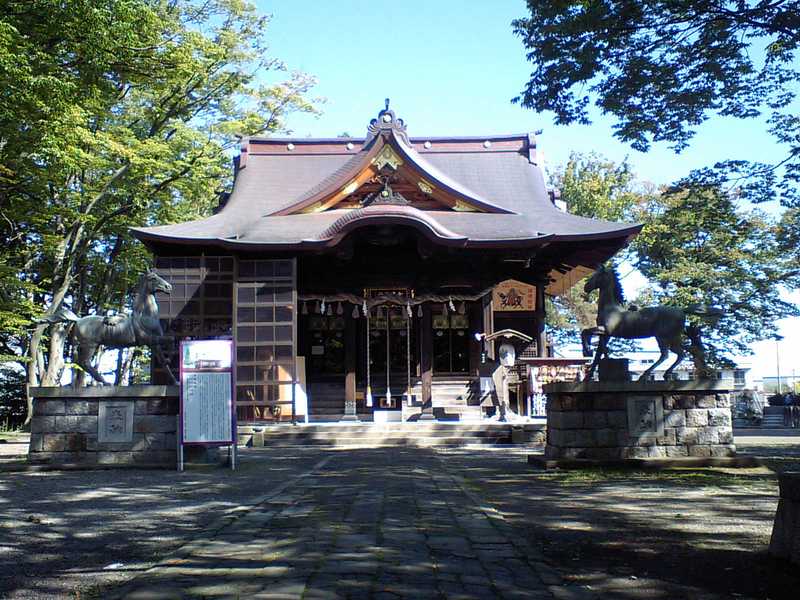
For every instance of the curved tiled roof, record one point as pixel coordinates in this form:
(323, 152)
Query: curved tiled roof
(498, 175)
(388, 214)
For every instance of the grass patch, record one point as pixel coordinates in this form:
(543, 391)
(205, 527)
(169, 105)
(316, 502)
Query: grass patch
(693, 477)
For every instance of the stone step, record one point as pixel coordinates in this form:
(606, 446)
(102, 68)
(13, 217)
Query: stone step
(390, 435)
(421, 428)
(394, 442)
(394, 434)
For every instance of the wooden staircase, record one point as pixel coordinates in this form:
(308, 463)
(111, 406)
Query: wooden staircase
(456, 399)
(452, 398)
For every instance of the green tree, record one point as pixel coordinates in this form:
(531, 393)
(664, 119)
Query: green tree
(595, 187)
(698, 246)
(117, 113)
(662, 67)
(591, 186)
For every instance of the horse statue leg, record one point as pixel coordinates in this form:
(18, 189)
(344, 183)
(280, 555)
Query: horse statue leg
(697, 350)
(162, 358)
(663, 345)
(602, 349)
(85, 353)
(679, 350)
(586, 340)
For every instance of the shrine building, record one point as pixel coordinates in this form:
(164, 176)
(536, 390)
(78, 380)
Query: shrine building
(354, 274)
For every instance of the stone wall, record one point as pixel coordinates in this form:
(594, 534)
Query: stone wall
(111, 425)
(624, 420)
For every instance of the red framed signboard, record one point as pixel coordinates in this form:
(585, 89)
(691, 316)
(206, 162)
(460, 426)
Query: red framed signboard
(207, 407)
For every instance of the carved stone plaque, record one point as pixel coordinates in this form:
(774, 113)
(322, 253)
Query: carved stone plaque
(115, 422)
(645, 416)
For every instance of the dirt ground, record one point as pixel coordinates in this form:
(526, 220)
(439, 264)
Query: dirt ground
(64, 534)
(688, 534)
(692, 534)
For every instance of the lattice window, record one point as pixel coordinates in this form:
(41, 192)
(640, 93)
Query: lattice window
(265, 339)
(201, 302)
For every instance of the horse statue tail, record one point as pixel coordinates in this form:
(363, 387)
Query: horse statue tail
(62, 315)
(701, 310)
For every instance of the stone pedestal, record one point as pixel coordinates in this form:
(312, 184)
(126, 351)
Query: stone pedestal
(785, 542)
(110, 425)
(613, 369)
(612, 421)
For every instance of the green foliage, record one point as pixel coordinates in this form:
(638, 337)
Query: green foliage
(595, 187)
(698, 246)
(661, 67)
(117, 113)
(12, 397)
(591, 186)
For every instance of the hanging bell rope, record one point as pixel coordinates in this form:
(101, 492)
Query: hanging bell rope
(408, 356)
(380, 299)
(368, 397)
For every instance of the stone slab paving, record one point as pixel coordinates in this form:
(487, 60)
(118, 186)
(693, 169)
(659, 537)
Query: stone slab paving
(389, 523)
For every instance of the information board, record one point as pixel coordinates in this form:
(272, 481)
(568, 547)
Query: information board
(207, 410)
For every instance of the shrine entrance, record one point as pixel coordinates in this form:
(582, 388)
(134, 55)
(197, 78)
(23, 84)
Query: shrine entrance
(391, 351)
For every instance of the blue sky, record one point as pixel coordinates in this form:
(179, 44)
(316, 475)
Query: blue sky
(451, 68)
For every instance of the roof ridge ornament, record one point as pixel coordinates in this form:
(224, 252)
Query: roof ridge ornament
(387, 121)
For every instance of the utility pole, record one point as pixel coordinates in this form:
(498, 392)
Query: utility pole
(778, 364)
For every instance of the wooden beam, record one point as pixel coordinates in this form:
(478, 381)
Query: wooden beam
(348, 189)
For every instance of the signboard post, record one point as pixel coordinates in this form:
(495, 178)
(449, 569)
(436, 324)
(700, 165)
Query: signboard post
(207, 409)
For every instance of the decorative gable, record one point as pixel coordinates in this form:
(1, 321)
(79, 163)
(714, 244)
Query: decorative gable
(388, 170)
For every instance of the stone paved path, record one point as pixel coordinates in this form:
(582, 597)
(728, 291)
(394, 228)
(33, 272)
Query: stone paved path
(388, 523)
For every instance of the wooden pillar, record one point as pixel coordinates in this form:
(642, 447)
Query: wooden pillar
(426, 362)
(541, 336)
(475, 312)
(350, 359)
(488, 325)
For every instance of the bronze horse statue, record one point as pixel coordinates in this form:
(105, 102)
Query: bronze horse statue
(665, 323)
(141, 328)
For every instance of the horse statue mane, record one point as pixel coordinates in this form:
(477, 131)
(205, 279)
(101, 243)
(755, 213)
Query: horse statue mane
(141, 327)
(619, 295)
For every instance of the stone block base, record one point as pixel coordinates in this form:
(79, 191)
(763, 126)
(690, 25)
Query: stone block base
(617, 421)
(105, 426)
(785, 541)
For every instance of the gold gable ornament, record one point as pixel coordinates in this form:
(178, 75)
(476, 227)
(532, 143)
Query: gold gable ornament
(387, 156)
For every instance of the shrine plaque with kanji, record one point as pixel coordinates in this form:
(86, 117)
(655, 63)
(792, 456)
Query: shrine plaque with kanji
(512, 295)
(115, 422)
